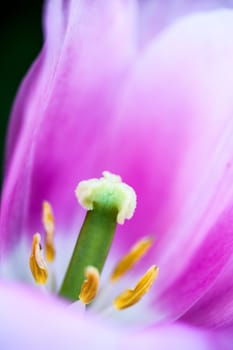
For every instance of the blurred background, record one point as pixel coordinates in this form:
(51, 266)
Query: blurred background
(21, 40)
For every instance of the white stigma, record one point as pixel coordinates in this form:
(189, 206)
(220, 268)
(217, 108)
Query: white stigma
(108, 189)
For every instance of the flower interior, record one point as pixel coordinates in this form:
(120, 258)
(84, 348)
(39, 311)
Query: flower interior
(109, 202)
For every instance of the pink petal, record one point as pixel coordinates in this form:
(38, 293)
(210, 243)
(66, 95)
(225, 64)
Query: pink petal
(63, 107)
(215, 308)
(175, 122)
(30, 320)
(157, 15)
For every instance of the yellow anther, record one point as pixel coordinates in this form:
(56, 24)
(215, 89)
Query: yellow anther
(37, 263)
(48, 222)
(132, 296)
(129, 260)
(90, 286)
(47, 217)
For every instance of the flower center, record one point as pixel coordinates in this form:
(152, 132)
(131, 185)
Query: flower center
(108, 201)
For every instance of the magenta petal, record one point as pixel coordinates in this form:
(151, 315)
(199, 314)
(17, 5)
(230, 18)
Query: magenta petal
(86, 56)
(204, 288)
(175, 120)
(18, 160)
(215, 308)
(30, 320)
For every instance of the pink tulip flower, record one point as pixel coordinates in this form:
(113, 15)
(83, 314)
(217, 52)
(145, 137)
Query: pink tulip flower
(144, 90)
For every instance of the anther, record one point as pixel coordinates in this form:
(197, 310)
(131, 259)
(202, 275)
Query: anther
(37, 263)
(90, 286)
(49, 226)
(131, 297)
(130, 259)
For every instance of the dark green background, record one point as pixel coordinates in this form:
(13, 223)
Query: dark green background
(21, 40)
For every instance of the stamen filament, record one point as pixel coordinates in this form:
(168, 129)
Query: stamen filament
(130, 259)
(90, 286)
(37, 263)
(132, 296)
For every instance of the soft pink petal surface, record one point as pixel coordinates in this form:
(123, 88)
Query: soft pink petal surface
(30, 320)
(215, 309)
(154, 16)
(176, 122)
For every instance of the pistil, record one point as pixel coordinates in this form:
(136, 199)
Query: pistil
(108, 201)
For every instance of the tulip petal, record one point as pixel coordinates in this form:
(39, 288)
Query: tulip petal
(215, 308)
(66, 108)
(168, 132)
(157, 15)
(175, 118)
(31, 320)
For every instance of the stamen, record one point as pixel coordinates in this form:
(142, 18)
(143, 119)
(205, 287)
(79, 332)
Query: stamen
(90, 286)
(37, 263)
(132, 296)
(130, 259)
(48, 222)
